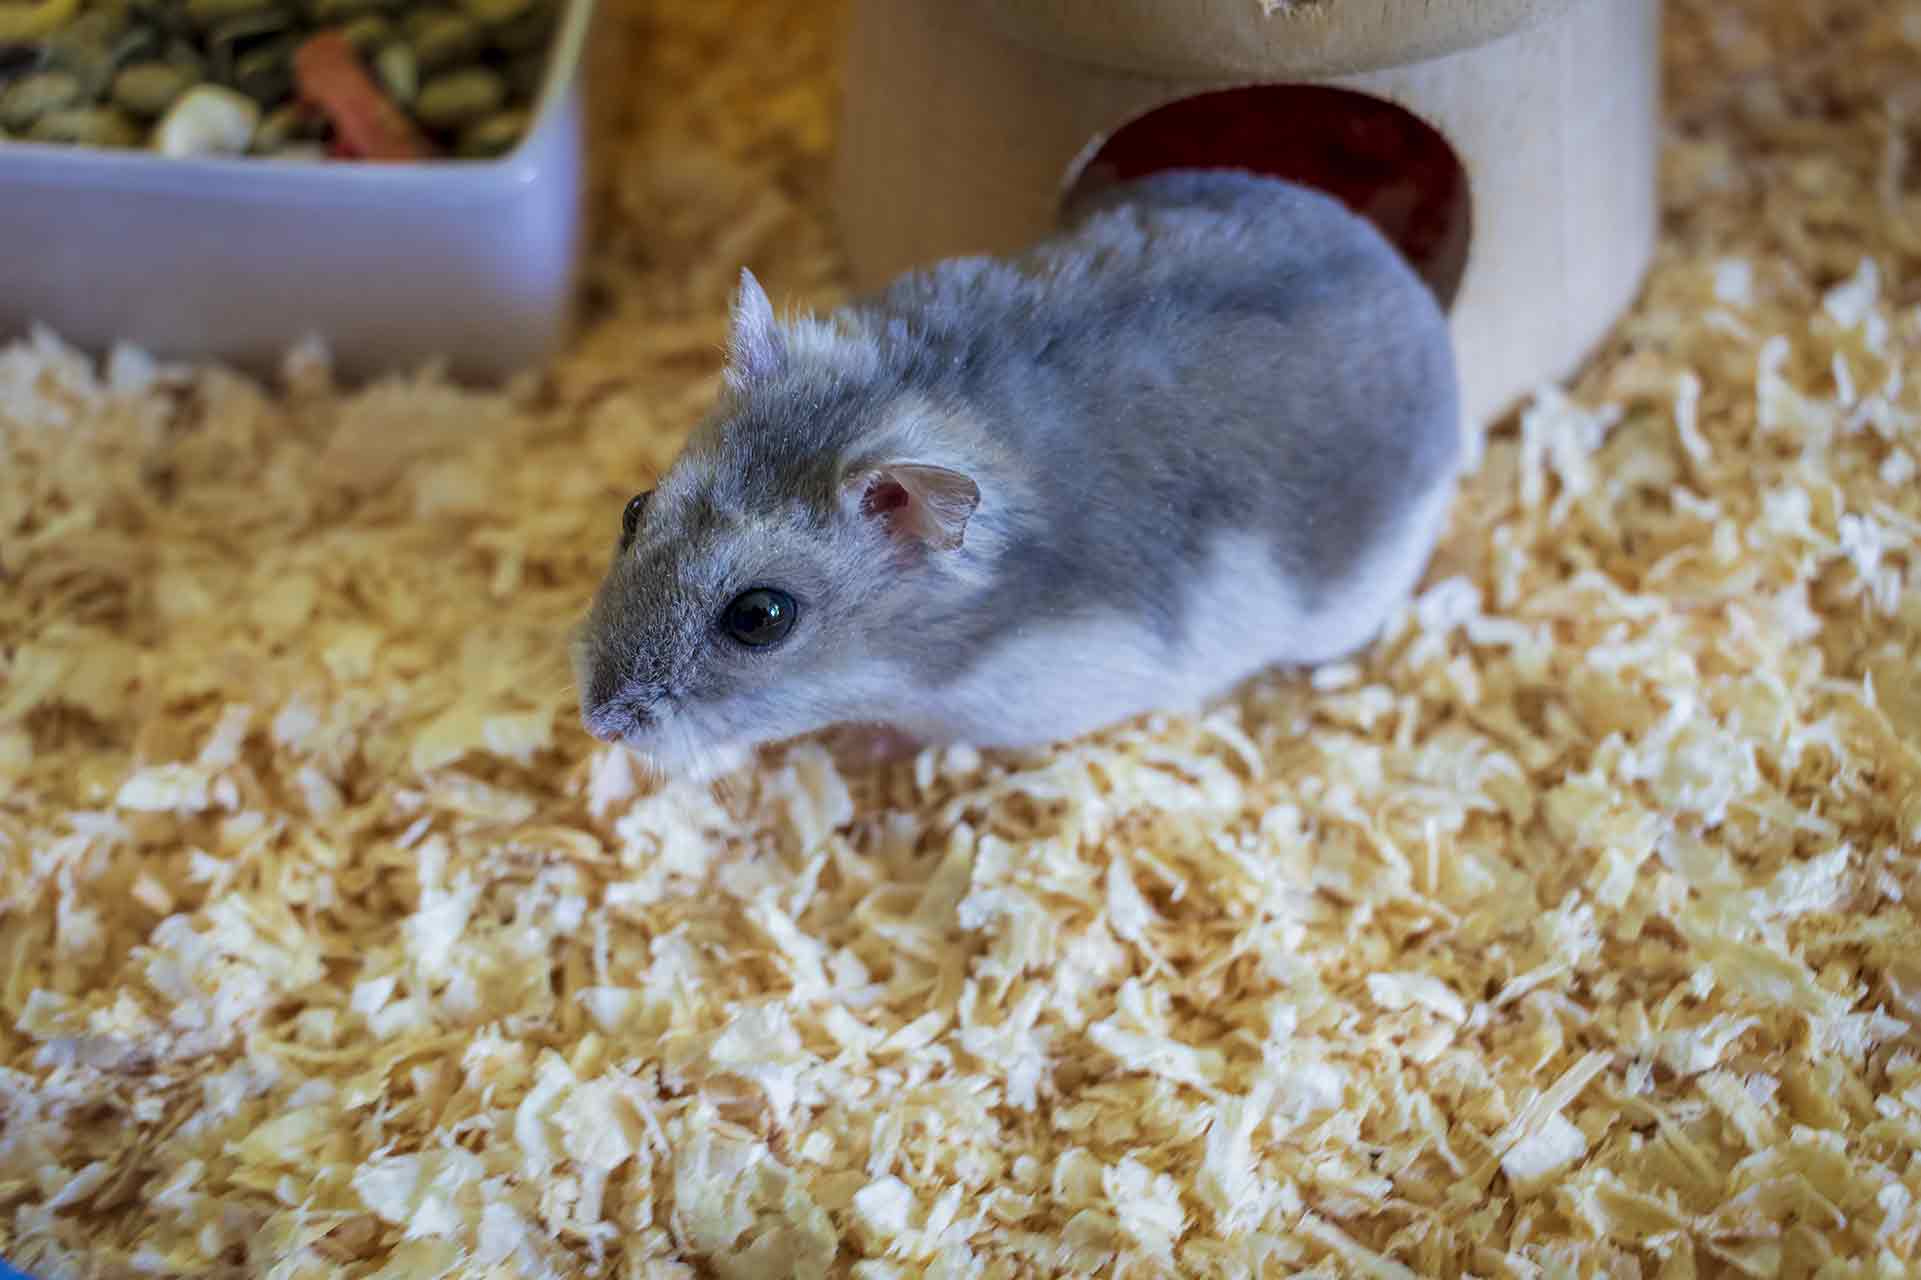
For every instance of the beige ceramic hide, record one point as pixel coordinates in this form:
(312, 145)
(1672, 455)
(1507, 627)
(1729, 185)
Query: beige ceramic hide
(1509, 146)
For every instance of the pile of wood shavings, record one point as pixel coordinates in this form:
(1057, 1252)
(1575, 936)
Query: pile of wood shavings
(1569, 934)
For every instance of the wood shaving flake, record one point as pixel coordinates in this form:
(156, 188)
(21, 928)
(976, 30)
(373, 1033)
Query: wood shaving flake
(1568, 932)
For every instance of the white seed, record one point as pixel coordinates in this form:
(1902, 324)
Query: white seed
(208, 120)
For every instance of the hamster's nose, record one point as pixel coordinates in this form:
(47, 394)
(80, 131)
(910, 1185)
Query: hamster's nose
(611, 712)
(613, 719)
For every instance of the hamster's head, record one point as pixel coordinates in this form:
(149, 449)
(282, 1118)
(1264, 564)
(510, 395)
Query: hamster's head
(751, 594)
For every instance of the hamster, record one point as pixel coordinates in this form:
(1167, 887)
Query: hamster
(1210, 428)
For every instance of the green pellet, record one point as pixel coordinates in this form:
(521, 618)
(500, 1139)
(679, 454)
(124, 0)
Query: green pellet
(286, 126)
(329, 13)
(85, 49)
(210, 13)
(266, 74)
(33, 96)
(530, 30)
(494, 136)
(368, 33)
(91, 126)
(442, 39)
(495, 13)
(147, 89)
(455, 99)
(137, 44)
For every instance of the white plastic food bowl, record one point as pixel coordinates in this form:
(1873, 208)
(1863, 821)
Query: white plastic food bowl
(237, 259)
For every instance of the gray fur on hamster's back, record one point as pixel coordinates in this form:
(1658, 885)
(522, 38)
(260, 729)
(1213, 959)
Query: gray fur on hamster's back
(1200, 353)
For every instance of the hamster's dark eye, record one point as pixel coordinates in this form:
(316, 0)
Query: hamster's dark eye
(759, 617)
(630, 518)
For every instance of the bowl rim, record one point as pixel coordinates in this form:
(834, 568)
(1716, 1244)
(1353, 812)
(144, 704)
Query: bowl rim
(62, 161)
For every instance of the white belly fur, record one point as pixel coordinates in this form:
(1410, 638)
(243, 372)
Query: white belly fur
(1054, 682)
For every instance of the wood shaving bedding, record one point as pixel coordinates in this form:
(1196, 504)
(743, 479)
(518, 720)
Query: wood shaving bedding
(1569, 934)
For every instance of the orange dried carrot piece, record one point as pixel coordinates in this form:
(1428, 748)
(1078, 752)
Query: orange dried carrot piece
(329, 75)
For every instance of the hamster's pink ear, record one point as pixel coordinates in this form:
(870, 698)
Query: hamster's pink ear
(755, 348)
(916, 502)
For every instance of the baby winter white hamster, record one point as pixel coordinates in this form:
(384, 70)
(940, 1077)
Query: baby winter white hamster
(1211, 427)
